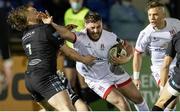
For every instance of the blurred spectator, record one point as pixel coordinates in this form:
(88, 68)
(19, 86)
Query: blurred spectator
(102, 7)
(75, 15)
(125, 20)
(174, 8)
(4, 48)
(56, 8)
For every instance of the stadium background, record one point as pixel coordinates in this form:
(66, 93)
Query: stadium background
(16, 97)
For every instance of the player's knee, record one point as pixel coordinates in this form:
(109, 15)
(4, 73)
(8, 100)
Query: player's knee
(120, 103)
(64, 107)
(138, 100)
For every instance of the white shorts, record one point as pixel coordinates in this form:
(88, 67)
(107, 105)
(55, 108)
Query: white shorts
(104, 86)
(156, 75)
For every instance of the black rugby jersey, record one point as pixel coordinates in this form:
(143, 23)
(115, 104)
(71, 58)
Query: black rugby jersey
(41, 44)
(174, 51)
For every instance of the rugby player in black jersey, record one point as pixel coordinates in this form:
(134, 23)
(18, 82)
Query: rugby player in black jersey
(172, 87)
(41, 44)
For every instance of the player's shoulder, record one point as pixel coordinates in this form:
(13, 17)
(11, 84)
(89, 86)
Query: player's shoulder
(108, 34)
(147, 30)
(82, 33)
(172, 20)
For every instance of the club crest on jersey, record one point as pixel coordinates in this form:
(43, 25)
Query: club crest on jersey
(102, 47)
(101, 88)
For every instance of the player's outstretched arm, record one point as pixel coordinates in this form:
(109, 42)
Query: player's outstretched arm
(76, 56)
(62, 30)
(165, 70)
(137, 61)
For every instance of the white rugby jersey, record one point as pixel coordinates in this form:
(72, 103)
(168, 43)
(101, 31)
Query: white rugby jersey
(99, 49)
(156, 42)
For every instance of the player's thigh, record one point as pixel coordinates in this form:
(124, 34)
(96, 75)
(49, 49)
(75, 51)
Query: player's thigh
(82, 81)
(45, 105)
(81, 106)
(70, 74)
(61, 101)
(115, 96)
(131, 92)
(166, 96)
(118, 100)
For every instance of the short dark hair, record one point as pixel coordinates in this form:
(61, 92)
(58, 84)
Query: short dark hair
(17, 18)
(153, 4)
(92, 17)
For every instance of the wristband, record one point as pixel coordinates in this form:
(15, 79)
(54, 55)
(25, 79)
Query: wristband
(136, 75)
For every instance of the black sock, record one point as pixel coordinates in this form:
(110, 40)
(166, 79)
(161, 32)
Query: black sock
(156, 108)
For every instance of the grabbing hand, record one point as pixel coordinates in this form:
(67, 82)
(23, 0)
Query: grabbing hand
(119, 60)
(88, 59)
(47, 19)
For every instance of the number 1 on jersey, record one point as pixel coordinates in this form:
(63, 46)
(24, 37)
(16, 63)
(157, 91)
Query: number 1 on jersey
(29, 48)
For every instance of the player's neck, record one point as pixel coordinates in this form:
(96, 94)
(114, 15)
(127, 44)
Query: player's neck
(161, 26)
(32, 23)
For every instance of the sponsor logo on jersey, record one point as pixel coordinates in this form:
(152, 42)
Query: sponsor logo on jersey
(88, 45)
(155, 39)
(102, 47)
(35, 62)
(28, 35)
(101, 88)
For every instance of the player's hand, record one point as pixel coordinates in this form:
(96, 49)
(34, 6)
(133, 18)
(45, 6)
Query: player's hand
(47, 19)
(129, 48)
(119, 60)
(137, 83)
(88, 59)
(71, 26)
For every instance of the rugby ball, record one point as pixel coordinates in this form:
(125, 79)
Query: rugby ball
(120, 50)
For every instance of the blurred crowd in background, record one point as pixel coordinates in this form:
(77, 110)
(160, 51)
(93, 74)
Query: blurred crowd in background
(119, 16)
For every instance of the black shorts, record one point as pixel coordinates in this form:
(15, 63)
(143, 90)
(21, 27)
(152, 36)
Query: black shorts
(174, 82)
(45, 87)
(68, 63)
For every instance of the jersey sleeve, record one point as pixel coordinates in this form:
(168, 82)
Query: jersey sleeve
(177, 24)
(142, 41)
(54, 36)
(79, 39)
(171, 50)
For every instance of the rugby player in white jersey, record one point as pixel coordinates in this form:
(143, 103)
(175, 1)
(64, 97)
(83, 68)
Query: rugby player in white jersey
(111, 86)
(155, 38)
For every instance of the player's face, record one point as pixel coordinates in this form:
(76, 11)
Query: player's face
(33, 15)
(94, 29)
(156, 16)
